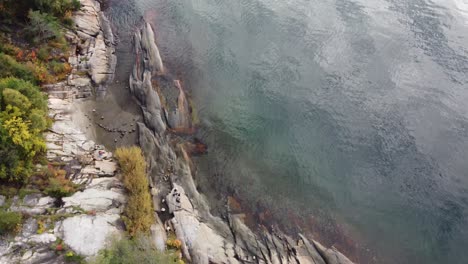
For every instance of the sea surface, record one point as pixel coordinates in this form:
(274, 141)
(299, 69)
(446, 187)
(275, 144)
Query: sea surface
(343, 119)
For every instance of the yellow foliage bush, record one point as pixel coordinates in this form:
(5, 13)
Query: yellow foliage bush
(138, 214)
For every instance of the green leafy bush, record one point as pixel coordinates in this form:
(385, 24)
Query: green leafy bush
(53, 182)
(72, 257)
(60, 69)
(43, 53)
(18, 9)
(9, 67)
(37, 98)
(137, 250)
(23, 118)
(58, 8)
(10, 222)
(59, 186)
(138, 213)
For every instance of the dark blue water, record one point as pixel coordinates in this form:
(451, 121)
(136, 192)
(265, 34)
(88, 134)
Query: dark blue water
(354, 112)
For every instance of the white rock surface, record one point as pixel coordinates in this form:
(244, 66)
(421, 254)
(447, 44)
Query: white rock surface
(99, 196)
(92, 59)
(2, 200)
(86, 20)
(42, 238)
(199, 241)
(88, 234)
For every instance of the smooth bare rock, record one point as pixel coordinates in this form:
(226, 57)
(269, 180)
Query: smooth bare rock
(46, 202)
(86, 19)
(85, 159)
(159, 155)
(106, 29)
(149, 100)
(31, 254)
(31, 199)
(86, 234)
(331, 255)
(42, 238)
(102, 61)
(4, 246)
(42, 255)
(158, 234)
(32, 204)
(80, 82)
(28, 210)
(101, 168)
(100, 196)
(148, 63)
(2, 200)
(106, 167)
(152, 110)
(200, 243)
(95, 45)
(152, 58)
(29, 227)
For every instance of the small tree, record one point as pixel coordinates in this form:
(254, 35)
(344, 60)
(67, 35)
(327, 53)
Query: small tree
(43, 27)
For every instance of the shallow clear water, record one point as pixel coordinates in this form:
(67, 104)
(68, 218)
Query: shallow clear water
(353, 112)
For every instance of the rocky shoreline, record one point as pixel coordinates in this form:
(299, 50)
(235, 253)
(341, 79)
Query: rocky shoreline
(205, 238)
(89, 217)
(84, 221)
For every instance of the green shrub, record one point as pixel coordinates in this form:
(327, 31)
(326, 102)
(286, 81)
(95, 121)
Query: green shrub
(137, 250)
(8, 191)
(7, 48)
(72, 257)
(37, 98)
(18, 9)
(56, 67)
(59, 188)
(43, 53)
(10, 222)
(60, 69)
(57, 8)
(138, 213)
(9, 67)
(23, 118)
(43, 27)
(53, 182)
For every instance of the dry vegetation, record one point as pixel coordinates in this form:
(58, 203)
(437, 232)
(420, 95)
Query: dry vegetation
(138, 214)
